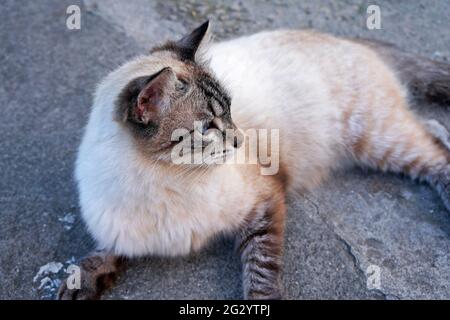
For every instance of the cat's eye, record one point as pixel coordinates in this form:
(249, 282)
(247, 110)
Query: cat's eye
(182, 85)
(211, 124)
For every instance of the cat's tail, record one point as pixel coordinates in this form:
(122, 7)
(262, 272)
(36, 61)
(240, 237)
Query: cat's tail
(425, 78)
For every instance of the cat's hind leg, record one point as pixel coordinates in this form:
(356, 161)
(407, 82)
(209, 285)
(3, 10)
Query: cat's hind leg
(439, 131)
(396, 141)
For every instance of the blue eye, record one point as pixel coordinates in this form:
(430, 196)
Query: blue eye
(182, 85)
(206, 126)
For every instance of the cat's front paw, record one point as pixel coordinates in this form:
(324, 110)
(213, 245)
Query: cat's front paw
(88, 292)
(97, 273)
(272, 294)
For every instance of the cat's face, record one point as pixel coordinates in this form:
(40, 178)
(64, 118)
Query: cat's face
(182, 103)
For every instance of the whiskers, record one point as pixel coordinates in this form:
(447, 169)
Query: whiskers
(191, 173)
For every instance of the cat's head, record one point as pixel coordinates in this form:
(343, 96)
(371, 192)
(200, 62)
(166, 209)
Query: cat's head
(169, 97)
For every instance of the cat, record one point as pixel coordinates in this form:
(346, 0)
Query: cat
(335, 102)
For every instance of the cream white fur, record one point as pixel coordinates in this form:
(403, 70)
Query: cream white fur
(282, 80)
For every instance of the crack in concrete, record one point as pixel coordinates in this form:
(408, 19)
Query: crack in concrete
(348, 249)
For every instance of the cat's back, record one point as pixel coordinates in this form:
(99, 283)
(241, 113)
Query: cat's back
(300, 82)
(281, 72)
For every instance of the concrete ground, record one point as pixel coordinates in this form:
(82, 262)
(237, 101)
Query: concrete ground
(337, 237)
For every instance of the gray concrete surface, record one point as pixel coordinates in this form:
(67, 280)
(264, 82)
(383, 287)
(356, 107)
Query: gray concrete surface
(357, 219)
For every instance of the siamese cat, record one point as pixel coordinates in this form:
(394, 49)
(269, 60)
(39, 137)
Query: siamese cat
(334, 102)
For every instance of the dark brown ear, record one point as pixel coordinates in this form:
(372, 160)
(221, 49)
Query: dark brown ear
(154, 97)
(187, 46)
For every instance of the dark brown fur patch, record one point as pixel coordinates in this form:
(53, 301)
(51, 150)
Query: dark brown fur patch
(426, 79)
(260, 244)
(99, 272)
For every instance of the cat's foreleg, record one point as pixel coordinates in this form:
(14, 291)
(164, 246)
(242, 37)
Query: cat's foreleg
(98, 273)
(260, 245)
